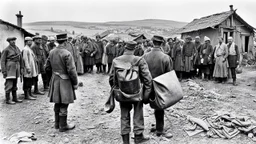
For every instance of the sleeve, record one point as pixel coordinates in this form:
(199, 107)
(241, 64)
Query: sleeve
(112, 75)
(48, 67)
(25, 58)
(95, 48)
(214, 52)
(237, 53)
(3, 60)
(71, 69)
(146, 79)
(226, 51)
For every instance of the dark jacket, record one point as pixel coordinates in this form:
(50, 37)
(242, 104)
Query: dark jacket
(198, 46)
(158, 62)
(188, 49)
(232, 60)
(100, 48)
(40, 57)
(64, 75)
(112, 52)
(10, 62)
(138, 51)
(144, 73)
(206, 53)
(72, 49)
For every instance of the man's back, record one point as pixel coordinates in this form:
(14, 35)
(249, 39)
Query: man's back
(158, 62)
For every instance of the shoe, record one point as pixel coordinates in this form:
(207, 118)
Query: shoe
(14, 97)
(57, 121)
(164, 134)
(234, 83)
(28, 97)
(30, 94)
(140, 138)
(8, 100)
(126, 139)
(153, 128)
(63, 126)
(38, 92)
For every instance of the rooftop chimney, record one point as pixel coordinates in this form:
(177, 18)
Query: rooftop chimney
(231, 7)
(19, 19)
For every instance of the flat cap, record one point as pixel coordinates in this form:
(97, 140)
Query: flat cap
(130, 45)
(10, 39)
(158, 38)
(28, 39)
(36, 37)
(44, 37)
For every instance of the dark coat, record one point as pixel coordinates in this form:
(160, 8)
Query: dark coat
(158, 62)
(138, 51)
(64, 76)
(10, 62)
(112, 52)
(233, 60)
(40, 57)
(206, 53)
(51, 46)
(100, 48)
(144, 73)
(72, 49)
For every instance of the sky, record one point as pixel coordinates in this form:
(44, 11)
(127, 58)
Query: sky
(121, 10)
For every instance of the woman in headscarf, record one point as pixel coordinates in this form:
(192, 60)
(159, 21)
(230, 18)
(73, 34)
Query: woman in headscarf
(178, 61)
(221, 65)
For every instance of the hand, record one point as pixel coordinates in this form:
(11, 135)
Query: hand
(29, 71)
(91, 54)
(75, 87)
(224, 60)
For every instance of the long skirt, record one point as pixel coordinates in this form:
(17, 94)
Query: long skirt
(89, 61)
(104, 59)
(189, 64)
(221, 68)
(80, 65)
(178, 63)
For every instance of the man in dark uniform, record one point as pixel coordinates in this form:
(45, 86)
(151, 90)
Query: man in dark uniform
(158, 63)
(99, 54)
(40, 57)
(64, 82)
(10, 64)
(126, 107)
(45, 77)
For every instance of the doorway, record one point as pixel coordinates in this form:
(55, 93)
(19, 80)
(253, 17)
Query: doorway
(246, 43)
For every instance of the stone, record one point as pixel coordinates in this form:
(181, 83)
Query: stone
(66, 140)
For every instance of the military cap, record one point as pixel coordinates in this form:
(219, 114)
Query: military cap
(158, 38)
(130, 45)
(61, 37)
(10, 39)
(36, 37)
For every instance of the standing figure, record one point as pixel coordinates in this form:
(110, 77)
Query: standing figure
(188, 56)
(104, 56)
(40, 58)
(128, 59)
(89, 51)
(98, 55)
(63, 83)
(197, 59)
(111, 53)
(51, 45)
(46, 78)
(178, 61)
(158, 63)
(30, 68)
(120, 48)
(139, 51)
(72, 49)
(233, 58)
(10, 65)
(221, 65)
(206, 59)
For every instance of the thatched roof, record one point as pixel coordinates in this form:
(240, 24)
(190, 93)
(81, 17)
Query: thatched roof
(210, 22)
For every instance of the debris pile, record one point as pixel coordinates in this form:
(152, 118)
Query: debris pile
(22, 137)
(224, 126)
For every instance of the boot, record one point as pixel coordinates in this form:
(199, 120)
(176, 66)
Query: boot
(8, 100)
(57, 121)
(27, 96)
(46, 87)
(14, 97)
(63, 124)
(164, 134)
(30, 93)
(140, 138)
(234, 82)
(36, 90)
(126, 139)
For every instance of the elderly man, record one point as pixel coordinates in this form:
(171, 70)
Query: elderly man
(158, 63)
(40, 58)
(30, 68)
(233, 58)
(188, 56)
(128, 58)
(64, 82)
(10, 64)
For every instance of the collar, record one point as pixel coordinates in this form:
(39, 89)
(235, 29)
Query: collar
(128, 52)
(156, 49)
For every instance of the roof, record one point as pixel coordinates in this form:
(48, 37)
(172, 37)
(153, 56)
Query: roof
(210, 22)
(17, 27)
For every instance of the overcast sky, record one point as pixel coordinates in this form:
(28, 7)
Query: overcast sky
(120, 10)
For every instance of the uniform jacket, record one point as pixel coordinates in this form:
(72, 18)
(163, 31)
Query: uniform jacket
(10, 62)
(40, 57)
(158, 62)
(29, 63)
(144, 73)
(64, 75)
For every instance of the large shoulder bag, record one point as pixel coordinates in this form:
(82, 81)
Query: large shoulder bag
(167, 91)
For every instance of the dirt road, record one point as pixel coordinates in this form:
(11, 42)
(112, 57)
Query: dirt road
(94, 126)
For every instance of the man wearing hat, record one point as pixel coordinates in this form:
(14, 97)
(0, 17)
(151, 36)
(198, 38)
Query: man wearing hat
(112, 52)
(188, 56)
(197, 61)
(40, 59)
(45, 77)
(158, 63)
(10, 64)
(233, 58)
(29, 68)
(51, 45)
(99, 54)
(145, 77)
(63, 82)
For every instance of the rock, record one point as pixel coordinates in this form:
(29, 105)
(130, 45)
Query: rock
(233, 96)
(80, 84)
(37, 122)
(254, 100)
(250, 135)
(66, 140)
(52, 135)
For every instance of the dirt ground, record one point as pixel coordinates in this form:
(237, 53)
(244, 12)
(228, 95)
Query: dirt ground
(94, 126)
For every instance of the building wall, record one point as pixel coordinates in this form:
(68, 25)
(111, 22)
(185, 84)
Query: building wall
(9, 31)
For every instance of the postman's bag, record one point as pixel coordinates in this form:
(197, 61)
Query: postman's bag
(167, 91)
(129, 87)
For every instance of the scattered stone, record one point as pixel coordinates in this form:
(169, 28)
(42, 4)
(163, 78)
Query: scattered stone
(37, 117)
(52, 135)
(37, 122)
(66, 140)
(250, 135)
(233, 96)
(254, 100)
(80, 84)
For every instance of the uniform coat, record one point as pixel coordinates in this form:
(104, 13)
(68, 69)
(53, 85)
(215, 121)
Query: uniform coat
(29, 63)
(64, 76)
(10, 62)
(40, 57)
(99, 53)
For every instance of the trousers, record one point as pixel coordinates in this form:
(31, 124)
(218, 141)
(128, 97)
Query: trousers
(27, 83)
(159, 116)
(138, 119)
(60, 108)
(10, 85)
(233, 73)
